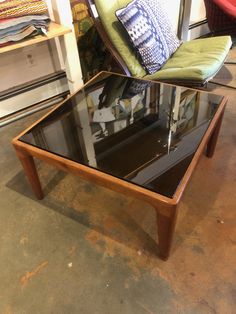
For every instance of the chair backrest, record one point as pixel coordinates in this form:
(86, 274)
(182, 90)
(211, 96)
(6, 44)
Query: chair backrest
(113, 35)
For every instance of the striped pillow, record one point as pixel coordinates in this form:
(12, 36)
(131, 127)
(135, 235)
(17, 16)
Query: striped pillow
(15, 8)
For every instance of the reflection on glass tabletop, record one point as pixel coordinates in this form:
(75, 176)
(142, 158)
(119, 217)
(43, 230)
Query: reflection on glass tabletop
(140, 131)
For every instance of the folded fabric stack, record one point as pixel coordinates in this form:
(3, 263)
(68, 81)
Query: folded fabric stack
(20, 19)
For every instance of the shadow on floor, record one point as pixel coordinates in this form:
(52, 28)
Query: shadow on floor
(127, 221)
(104, 211)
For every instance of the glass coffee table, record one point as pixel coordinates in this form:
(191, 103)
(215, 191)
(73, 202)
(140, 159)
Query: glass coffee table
(140, 138)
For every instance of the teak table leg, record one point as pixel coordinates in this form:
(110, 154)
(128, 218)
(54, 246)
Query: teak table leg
(213, 139)
(165, 230)
(31, 173)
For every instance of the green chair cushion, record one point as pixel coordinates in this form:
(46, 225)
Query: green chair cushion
(195, 60)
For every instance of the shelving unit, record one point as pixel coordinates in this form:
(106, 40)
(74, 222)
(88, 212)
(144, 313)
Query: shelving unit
(55, 30)
(60, 31)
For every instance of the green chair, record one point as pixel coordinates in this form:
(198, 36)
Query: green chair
(194, 63)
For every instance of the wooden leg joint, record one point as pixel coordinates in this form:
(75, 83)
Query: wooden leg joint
(211, 145)
(31, 173)
(165, 228)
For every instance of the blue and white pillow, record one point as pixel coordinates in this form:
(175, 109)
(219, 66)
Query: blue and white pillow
(165, 24)
(154, 42)
(145, 34)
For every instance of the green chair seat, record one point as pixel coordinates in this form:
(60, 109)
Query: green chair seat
(195, 60)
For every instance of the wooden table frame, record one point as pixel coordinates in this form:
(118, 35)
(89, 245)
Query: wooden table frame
(166, 208)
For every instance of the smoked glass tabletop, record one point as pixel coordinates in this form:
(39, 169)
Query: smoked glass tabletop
(142, 132)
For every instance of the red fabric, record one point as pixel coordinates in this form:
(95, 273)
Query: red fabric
(219, 21)
(228, 6)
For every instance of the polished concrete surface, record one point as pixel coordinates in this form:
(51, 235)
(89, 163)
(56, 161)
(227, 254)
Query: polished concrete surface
(84, 249)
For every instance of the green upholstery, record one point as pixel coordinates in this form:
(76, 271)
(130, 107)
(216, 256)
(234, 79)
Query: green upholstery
(196, 60)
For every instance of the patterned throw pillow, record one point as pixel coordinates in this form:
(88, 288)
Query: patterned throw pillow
(145, 34)
(153, 40)
(165, 24)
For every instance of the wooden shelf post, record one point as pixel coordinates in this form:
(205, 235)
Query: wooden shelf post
(61, 11)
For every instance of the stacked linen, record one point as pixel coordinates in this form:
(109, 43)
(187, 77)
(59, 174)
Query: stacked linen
(20, 19)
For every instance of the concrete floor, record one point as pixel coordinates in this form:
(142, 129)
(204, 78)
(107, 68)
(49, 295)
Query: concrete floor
(84, 249)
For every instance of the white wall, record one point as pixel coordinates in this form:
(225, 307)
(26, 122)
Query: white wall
(26, 64)
(172, 7)
(198, 12)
